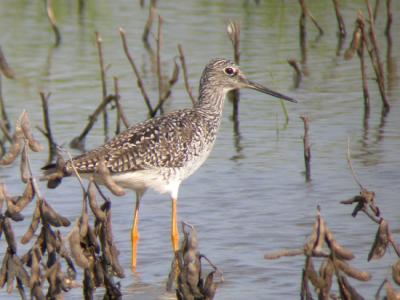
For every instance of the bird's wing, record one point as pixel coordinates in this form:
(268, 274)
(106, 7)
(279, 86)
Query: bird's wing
(160, 142)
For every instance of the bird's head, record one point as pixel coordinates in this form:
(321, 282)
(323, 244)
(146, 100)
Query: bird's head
(224, 74)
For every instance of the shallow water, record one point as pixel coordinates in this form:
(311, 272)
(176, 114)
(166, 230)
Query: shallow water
(250, 197)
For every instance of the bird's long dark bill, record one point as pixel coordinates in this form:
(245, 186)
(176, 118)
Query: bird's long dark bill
(263, 89)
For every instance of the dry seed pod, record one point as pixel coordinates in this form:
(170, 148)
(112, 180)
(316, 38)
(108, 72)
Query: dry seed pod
(326, 272)
(3, 269)
(7, 229)
(209, 287)
(355, 44)
(12, 209)
(98, 273)
(53, 217)
(3, 194)
(340, 251)
(381, 241)
(27, 196)
(175, 74)
(346, 290)
(33, 144)
(35, 267)
(20, 271)
(13, 151)
(396, 272)
(118, 269)
(33, 226)
(10, 275)
(23, 167)
(84, 219)
(93, 240)
(305, 292)
(321, 228)
(98, 213)
(4, 67)
(390, 292)
(317, 281)
(75, 246)
(107, 179)
(37, 292)
(351, 271)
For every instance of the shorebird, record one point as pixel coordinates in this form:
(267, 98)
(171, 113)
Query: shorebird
(162, 152)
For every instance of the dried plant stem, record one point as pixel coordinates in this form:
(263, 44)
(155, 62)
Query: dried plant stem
(375, 58)
(158, 66)
(46, 121)
(78, 141)
(342, 28)
(284, 252)
(389, 17)
(308, 13)
(185, 74)
(53, 22)
(376, 8)
(4, 67)
(149, 23)
(298, 74)
(4, 116)
(137, 74)
(103, 79)
(120, 112)
(348, 157)
(233, 30)
(303, 34)
(360, 53)
(307, 147)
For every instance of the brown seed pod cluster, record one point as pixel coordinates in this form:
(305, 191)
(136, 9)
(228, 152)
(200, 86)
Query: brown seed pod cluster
(22, 132)
(93, 249)
(322, 244)
(190, 283)
(366, 203)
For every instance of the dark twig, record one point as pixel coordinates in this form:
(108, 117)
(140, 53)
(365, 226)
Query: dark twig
(46, 121)
(307, 147)
(342, 28)
(185, 74)
(137, 74)
(149, 23)
(103, 80)
(233, 30)
(305, 10)
(77, 142)
(158, 66)
(297, 75)
(53, 22)
(375, 58)
(120, 112)
(389, 17)
(4, 116)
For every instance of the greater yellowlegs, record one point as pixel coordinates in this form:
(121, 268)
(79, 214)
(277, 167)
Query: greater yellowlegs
(162, 152)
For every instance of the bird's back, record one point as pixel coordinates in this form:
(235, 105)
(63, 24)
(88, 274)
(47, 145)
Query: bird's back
(176, 140)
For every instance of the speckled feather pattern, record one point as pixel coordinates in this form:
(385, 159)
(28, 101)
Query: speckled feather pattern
(169, 141)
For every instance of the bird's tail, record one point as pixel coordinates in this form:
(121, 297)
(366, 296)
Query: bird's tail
(53, 174)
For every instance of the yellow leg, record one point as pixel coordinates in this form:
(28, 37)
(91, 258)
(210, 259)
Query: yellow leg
(135, 231)
(174, 227)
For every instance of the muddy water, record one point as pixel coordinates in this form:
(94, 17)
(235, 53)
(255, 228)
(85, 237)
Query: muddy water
(250, 197)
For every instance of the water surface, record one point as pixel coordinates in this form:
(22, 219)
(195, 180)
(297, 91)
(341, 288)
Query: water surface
(250, 197)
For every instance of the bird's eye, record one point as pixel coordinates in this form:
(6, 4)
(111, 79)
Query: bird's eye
(230, 71)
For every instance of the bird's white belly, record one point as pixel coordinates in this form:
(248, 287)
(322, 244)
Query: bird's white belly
(162, 180)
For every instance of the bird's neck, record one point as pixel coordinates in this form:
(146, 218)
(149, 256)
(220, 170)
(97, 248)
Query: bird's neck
(211, 100)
